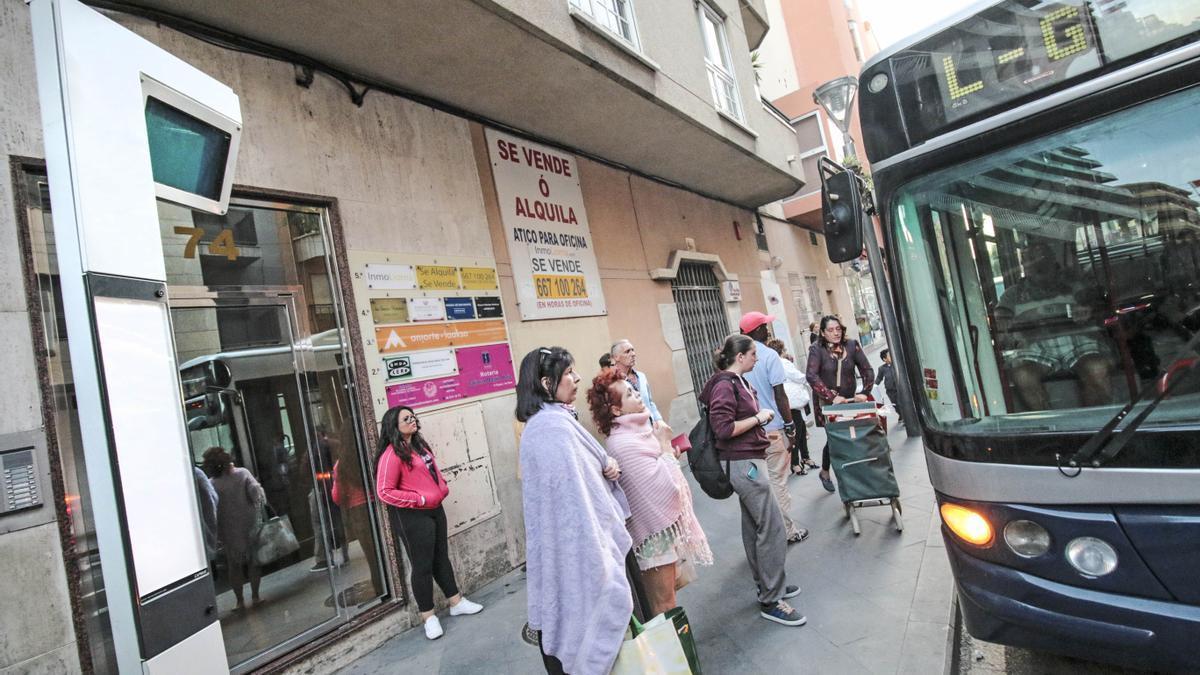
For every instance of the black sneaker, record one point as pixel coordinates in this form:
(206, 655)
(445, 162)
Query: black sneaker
(321, 566)
(800, 535)
(782, 613)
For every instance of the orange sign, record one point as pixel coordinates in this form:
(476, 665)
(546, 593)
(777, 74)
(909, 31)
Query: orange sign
(394, 339)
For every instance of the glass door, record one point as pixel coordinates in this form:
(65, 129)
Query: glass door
(247, 397)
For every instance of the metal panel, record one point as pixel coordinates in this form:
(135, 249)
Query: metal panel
(697, 295)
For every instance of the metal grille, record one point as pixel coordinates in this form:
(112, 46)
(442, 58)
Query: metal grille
(702, 316)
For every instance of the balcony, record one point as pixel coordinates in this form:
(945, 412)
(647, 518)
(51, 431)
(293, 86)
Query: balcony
(529, 65)
(754, 19)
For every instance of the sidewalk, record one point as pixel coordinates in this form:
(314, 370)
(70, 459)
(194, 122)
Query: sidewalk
(876, 603)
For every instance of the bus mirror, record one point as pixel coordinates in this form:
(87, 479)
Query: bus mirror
(841, 211)
(217, 374)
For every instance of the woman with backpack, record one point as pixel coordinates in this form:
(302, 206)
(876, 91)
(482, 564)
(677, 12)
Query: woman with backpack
(832, 361)
(736, 422)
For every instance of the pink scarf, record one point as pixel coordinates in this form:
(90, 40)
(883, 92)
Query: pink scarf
(659, 496)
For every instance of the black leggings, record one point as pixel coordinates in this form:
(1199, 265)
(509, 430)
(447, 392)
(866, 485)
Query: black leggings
(424, 532)
(800, 444)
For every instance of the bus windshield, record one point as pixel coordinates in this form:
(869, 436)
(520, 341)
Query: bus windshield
(1050, 284)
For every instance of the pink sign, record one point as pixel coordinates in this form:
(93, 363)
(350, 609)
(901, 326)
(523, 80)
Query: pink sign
(482, 370)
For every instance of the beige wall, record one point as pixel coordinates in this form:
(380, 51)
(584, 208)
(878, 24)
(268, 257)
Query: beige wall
(406, 179)
(33, 554)
(635, 224)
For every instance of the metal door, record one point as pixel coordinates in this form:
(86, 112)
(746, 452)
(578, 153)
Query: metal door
(702, 317)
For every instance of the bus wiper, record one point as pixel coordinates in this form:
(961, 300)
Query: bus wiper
(1098, 449)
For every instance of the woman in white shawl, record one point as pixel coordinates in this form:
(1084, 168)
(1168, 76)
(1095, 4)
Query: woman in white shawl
(575, 537)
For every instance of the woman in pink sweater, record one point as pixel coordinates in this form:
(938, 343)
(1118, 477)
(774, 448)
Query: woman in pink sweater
(407, 478)
(662, 524)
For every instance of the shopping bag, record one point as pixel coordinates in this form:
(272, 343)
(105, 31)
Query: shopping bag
(652, 648)
(683, 629)
(685, 573)
(275, 539)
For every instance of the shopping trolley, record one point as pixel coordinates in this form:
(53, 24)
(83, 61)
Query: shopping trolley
(861, 459)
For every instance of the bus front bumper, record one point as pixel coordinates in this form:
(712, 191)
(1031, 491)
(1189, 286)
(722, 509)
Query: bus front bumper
(1003, 605)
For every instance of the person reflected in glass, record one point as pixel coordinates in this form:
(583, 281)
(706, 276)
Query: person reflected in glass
(667, 538)
(350, 496)
(576, 543)
(408, 479)
(322, 473)
(240, 502)
(206, 499)
(1047, 324)
(832, 361)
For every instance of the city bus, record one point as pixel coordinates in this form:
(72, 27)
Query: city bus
(1036, 174)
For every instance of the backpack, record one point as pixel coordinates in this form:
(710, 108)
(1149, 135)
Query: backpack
(703, 457)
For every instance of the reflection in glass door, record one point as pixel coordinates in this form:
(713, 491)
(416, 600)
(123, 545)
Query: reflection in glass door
(259, 327)
(244, 395)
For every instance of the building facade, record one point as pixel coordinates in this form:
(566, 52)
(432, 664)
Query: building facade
(813, 42)
(410, 216)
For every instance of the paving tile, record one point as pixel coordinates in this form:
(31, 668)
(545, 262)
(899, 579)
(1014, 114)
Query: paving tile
(876, 603)
(880, 654)
(924, 649)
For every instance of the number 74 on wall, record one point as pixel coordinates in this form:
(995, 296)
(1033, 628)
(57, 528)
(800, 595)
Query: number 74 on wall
(221, 245)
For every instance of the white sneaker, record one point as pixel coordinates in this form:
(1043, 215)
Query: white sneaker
(465, 606)
(433, 628)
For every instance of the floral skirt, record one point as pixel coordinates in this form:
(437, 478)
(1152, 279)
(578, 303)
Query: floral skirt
(658, 549)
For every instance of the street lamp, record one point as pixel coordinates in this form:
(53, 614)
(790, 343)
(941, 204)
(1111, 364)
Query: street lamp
(835, 97)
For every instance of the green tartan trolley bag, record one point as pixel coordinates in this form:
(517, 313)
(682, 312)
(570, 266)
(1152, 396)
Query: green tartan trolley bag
(861, 458)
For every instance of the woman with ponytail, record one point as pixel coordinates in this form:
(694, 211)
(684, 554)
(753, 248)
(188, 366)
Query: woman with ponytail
(736, 422)
(407, 478)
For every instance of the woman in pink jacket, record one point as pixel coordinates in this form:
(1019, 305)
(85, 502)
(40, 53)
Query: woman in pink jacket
(407, 478)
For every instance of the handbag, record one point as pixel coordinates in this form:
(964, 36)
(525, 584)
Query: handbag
(685, 573)
(274, 539)
(652, 648)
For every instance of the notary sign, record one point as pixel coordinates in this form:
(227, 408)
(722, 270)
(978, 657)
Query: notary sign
(546, 227)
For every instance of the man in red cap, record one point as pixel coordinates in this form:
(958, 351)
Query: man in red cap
(767, 378)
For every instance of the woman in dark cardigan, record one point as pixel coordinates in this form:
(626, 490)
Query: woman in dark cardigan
(832, 361)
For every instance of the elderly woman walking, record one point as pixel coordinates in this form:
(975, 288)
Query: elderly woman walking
(575, 537)
(832, 361)
(662, 523)
(240, 501)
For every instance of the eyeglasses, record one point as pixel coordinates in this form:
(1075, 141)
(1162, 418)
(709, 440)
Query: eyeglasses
(408, 420)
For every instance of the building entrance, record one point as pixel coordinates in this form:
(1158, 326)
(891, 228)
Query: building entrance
(265, 370)
(263, 361)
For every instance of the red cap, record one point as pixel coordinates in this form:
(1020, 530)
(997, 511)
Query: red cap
(752, 320)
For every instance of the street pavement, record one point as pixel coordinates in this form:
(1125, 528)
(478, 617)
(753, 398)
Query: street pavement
(876, 603)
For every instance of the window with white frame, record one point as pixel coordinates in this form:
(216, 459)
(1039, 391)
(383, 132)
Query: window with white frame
(615, 16)
(718, 62)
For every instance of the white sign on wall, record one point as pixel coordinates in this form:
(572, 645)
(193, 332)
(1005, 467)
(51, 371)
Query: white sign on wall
(546, 227)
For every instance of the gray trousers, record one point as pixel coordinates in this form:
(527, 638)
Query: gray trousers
(763, 533)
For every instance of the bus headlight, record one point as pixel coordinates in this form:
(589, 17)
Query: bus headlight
(1091, 557)
(1026, 538)
(968, 525)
